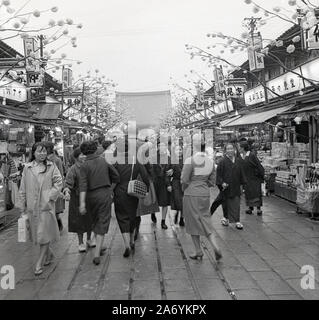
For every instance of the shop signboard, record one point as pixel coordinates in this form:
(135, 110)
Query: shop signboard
(35, 79)
(287, 83)
(224, 107)
(12, 90)
(219, 82)
(66, 78)
(255, 57)
(32, 54)
(312, 38)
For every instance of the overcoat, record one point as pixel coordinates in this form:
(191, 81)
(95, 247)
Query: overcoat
(38, 194)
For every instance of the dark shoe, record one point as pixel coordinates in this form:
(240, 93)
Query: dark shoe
(60, 225)
(103, 251)
(182, 222)
(198, 256)
(132, 246)
(154, 218)
(97, 261)
(249, 212)
(127, 253)
(218, 255)
(259, 213)
(164, 226)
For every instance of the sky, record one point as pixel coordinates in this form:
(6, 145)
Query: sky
(140, 44)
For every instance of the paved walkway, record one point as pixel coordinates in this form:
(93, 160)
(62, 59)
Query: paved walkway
(261, 262)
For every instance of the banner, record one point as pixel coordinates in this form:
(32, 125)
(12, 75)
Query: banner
(255, 57)
(32, 54)
(67, 78)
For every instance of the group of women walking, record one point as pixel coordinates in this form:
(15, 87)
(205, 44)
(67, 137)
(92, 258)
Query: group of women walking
(94, 182)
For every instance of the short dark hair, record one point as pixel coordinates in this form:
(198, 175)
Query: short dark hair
(100, 139)
(245, 145)
(106, 144)
(50, 147)
(88, 148)
(76, 153)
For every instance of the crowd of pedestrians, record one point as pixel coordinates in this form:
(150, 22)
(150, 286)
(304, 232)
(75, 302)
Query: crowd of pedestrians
(95, 181)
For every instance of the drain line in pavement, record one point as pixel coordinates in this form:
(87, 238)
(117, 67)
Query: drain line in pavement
(160, 269)
(220, 275)
(106, 264)
(188, 268)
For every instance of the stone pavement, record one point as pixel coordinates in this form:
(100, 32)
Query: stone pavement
(261, 262)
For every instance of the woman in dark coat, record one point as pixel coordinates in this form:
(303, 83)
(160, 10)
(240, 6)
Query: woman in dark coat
(78, 223)
(230, 178)
(161, 171)
(254, 173)
(126, 205)
(97, 182)
(175, 186)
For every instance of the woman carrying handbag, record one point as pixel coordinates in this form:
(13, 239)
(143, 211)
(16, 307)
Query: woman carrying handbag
(126, 200)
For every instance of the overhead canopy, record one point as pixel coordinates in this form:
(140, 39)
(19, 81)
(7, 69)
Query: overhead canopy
(47, 111)
(257, 117)
(306, 110)
(227, 121)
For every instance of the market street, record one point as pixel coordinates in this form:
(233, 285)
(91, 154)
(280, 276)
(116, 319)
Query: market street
(261, 262)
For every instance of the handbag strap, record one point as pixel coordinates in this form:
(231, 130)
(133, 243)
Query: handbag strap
(132, 169)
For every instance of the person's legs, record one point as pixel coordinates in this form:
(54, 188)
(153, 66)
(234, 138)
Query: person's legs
(138, 221)
(80, 237)
(181, 221)
(164, 214)
(196, 241)
(43, 253)
(99, 242)
(211, 238)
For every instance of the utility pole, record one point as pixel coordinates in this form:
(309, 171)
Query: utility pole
(82, 104)
(97, 108)
(62, 92)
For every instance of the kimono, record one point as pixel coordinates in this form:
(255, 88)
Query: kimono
(254, 173)
(177, 192)
(38, 193)
(231, 173)
(77, 223)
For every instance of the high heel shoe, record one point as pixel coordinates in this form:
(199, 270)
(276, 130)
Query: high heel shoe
(97, 261)
(198, 256)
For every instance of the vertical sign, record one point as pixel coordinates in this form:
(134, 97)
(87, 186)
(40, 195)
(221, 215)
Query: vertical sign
(255, 57)
(220, 83)
(32, 54)
(67, 78)
(312, 36)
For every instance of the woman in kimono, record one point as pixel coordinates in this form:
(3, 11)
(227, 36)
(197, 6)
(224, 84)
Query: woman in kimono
(97, 182)
(197, 179)
(40, 187)
(175, 186)
(126, 205)
(78, 223)
(255, 174)
(230, 178)
(161, 171)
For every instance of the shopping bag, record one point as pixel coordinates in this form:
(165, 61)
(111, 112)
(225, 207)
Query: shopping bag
(23, 229)
(263, 189)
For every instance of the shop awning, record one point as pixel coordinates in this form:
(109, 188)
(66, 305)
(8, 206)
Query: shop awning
(257, 117)
(228, 120)
(47, 111)
(310, 109)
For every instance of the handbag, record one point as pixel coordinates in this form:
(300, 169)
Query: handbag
(23, 229)
(136, 188)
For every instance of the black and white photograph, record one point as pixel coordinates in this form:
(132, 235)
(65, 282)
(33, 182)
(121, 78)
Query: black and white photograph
(159, 151)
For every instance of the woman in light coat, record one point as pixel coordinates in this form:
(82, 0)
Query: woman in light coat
(41, 186)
